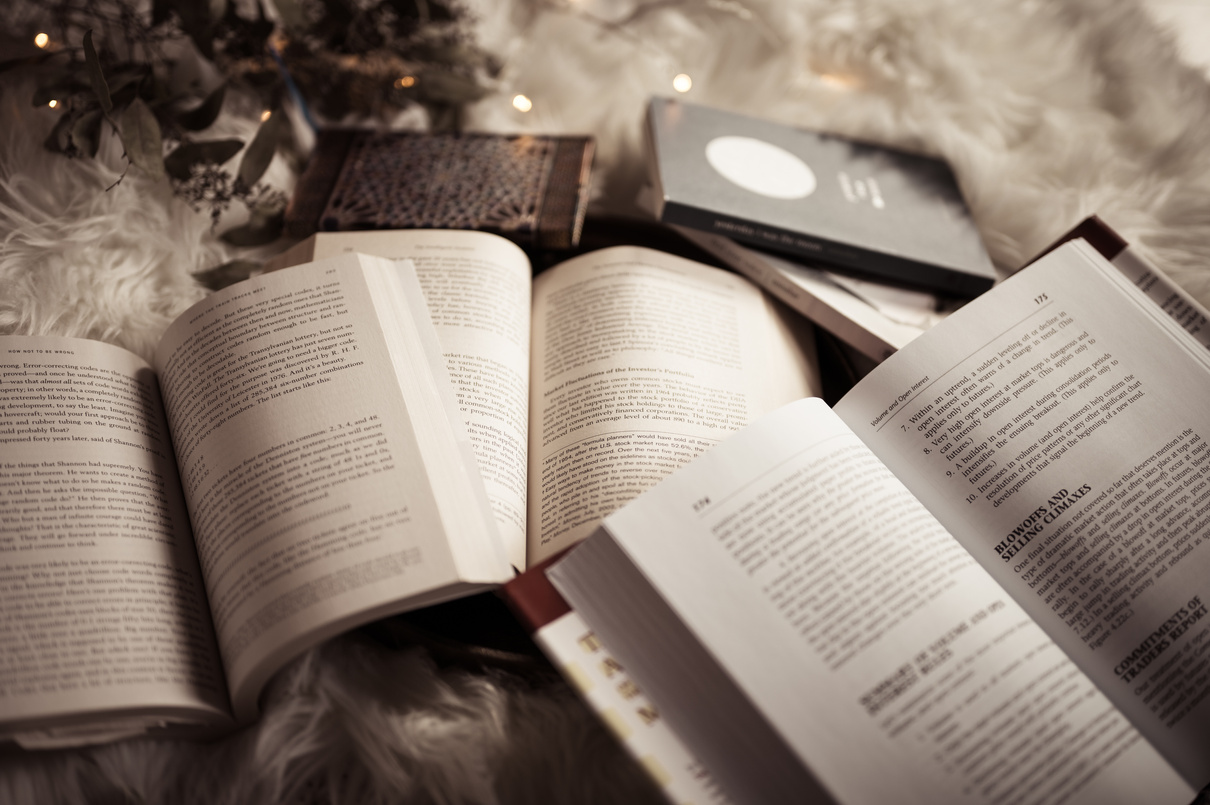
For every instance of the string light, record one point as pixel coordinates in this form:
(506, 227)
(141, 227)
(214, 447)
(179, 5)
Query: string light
(53, 104)
(838, 81)
(42, 40)
(682, 83)
(265, 115)
(405, 81)
(522, 104)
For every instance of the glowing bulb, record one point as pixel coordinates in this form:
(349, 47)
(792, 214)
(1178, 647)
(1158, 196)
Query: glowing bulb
(265, 115)
(838, 81)
(405, 81)
(522, 104)
(53, 104)
(41, 40)
(682, 83)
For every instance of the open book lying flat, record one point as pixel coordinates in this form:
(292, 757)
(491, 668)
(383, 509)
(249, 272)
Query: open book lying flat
(290, 468)
(298, 462)
(590, 382)
(982, 577)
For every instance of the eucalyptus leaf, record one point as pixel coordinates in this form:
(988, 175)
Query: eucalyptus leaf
(86, 133)
(205, 114)
(259, 230)
(59, 139)
(95, 76)
(212, 152)
(260, 153)
(142, 139)
(125, 82)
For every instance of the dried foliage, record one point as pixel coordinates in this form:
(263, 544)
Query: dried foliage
(109, 63)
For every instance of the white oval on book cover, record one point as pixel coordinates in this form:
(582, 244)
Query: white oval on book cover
(761, 167)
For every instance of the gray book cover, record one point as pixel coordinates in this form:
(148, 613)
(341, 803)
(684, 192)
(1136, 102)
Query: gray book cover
(878, 212)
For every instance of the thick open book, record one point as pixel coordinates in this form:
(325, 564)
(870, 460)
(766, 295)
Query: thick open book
(981, 578)
(309, 452)
(171, 535)
(587, 384)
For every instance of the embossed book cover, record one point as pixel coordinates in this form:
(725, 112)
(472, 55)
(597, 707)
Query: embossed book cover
(532, 189)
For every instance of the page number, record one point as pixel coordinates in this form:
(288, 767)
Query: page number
(1039, 299)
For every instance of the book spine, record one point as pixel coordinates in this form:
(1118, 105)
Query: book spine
(604, 684)
(565, 201)
(872, 264)
(751, 265)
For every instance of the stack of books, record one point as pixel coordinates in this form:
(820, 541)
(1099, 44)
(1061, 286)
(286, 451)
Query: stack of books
(873, 244)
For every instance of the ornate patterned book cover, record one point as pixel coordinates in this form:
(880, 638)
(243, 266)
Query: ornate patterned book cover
(532, 189)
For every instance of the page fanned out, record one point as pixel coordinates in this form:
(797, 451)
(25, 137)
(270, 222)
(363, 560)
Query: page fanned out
(477, 286)
(857, 628)
(314, 502)
(1058, 427)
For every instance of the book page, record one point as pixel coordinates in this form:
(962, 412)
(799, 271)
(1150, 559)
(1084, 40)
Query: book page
(805, 587)
(321, 471)
(1057, 426)
(477, 286)
(102, 609)
(642, 360)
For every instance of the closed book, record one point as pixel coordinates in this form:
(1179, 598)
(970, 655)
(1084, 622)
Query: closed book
(878, 212)
(531, 189)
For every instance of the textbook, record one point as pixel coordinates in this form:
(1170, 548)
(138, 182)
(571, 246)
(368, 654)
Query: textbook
(984, 573)
(590, 382)
(172, 534)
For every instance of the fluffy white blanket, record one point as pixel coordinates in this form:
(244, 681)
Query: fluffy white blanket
(1049, 111)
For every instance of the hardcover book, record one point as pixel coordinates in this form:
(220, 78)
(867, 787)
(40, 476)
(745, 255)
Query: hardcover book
(982, 573)
(882, 213)
(532, 189)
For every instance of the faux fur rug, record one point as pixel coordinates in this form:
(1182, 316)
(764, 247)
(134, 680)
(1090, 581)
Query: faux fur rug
(1049, 111)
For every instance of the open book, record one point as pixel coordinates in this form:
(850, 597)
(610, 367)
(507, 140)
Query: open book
(315, 440)
(171, 536)
(590, 382)
(980, 578)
